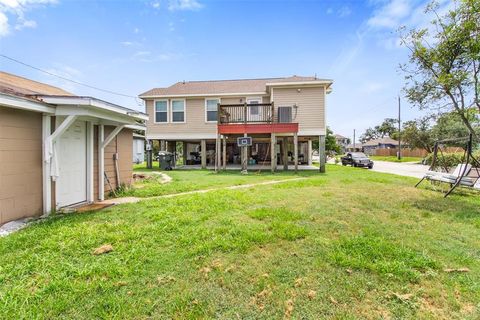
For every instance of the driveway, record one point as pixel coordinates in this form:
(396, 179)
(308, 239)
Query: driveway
(409, 169)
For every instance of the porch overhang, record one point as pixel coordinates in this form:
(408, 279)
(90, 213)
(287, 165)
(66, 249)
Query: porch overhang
(257, 128)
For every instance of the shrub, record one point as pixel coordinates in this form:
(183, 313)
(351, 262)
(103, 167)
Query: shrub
(450, 160)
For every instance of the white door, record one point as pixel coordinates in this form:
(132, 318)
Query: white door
(256, 112)
(71, 185)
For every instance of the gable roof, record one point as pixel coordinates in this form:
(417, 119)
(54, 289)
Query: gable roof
(376, 142)
(20, 86)
(212, 87)
(339, 136)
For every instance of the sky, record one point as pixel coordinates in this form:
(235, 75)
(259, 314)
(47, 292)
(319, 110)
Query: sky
(129, 47)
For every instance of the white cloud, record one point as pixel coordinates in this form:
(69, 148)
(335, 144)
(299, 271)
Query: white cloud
(142, 53)
(329, 11)
(136, 30)
(130, 44)
(12, 13)
(391, 14)
(4, 27)
(21, 24)
(176, 5)
(344, 11)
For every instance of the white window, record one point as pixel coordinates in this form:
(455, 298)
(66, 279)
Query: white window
(161, 111)
(178, 110)
(211, 107)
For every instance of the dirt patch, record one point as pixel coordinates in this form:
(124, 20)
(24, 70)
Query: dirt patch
(106, 248)
(141, 176)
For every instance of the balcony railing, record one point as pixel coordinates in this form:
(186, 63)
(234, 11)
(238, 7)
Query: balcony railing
(246, 113)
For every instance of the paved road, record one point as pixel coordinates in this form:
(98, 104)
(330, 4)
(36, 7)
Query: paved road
(408, 169)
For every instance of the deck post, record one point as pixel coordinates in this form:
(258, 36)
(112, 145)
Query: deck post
(309, 152)
(163, 145)
(203, 153)
(172, 147)
(273, 155)
(295, 151)
(285, 153)
(184, 152)
(321, 153)
(224, 153)
(218, 155)
(245, 114)
(244, 156)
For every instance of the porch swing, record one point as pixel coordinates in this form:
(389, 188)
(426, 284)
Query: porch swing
(464, 175)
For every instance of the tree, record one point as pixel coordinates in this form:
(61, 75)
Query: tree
(369, 134)
(444, 64)
(418, 134)
(330, 142)
(388, 128)
(450, 125)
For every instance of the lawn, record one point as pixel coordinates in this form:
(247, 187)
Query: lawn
(191, 180)
(348, 244)
(395, 159)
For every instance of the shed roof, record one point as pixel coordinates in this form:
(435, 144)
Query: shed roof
(227, 86)
(20, 86)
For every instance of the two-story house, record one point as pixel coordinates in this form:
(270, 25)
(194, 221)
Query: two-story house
(281, 115)
(342, 142)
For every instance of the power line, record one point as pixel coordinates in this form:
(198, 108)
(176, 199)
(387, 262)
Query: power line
(67, 79)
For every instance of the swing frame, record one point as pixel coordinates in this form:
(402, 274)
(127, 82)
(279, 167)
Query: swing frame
(468, 157)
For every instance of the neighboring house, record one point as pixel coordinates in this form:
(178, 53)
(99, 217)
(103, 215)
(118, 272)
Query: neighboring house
(342, 142)
(138, 148)
(354, 148)
(369, 147)
(282, 115)
(55, 147)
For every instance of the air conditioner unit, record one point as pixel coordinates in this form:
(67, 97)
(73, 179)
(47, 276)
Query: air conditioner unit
(285, 114)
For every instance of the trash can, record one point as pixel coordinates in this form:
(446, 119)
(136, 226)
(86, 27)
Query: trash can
(165, 160)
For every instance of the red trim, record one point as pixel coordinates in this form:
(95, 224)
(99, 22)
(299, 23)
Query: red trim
(257, 128)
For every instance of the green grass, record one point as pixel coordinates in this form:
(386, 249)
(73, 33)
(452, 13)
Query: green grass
(369, 244)
(191, 180)
(395, 159)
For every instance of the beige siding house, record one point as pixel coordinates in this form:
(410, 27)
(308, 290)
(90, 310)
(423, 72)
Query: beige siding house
(56, 148)
(282, 115)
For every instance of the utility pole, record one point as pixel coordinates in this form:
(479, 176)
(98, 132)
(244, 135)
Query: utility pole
(353, 140)
(399, 132)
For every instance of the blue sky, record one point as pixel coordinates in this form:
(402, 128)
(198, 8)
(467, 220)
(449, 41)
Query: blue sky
(132, 46)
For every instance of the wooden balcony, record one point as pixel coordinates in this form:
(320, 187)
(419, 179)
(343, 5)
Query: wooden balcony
(246, 113)
(254, 118)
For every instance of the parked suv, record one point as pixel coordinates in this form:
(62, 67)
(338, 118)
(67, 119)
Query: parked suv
(357, 159)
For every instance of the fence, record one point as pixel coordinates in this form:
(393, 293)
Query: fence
(418, 153)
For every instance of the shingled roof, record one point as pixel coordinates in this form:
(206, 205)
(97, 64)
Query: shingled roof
(12, 84)
(225, 86)
(376, 142)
